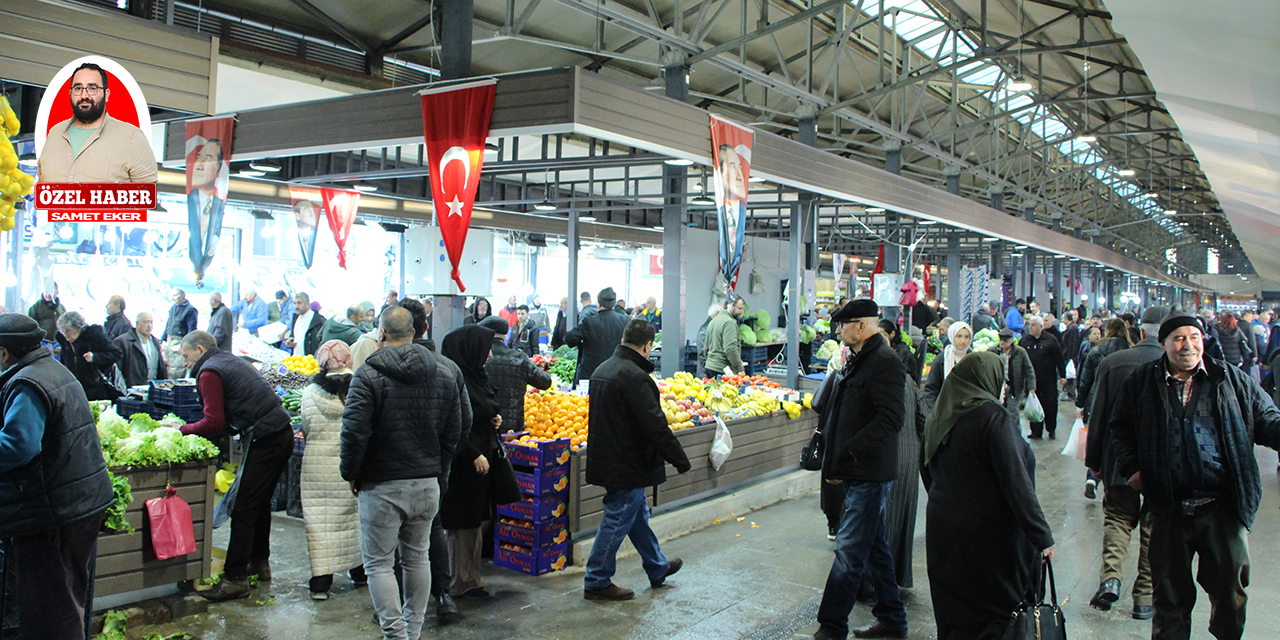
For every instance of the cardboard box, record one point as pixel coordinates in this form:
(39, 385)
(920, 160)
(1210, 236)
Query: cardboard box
(542, 482)
(536, 508)
(543, 455)
(534, 562)
(535, 535)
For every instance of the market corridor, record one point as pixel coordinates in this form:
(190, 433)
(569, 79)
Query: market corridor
(760, 582)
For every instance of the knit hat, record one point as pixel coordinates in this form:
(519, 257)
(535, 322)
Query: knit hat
(335, 356)
(18, 331)
(607, 297)
(1176, 320)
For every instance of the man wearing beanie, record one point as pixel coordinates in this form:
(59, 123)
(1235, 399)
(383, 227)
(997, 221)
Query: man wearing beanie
(1183, 433)
(53, 483)
(597, 335)
(860, 425)
(1121, 504)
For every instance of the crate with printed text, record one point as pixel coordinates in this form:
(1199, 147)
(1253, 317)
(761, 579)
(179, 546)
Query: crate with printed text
(542, 482)
(535, 535)
(541, 455)
(534, 562)
(536, 508)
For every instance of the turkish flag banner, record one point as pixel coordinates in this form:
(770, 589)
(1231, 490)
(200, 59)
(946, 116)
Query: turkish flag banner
(341, 207)
(455, 123)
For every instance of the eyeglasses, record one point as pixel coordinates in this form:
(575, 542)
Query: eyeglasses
(80, 90)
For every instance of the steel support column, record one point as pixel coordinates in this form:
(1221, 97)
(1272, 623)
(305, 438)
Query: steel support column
(795, 289)
(455, 38)
(674, 234)
(1058, 289)
(573, 243)
(1029, 259)
(953, 274)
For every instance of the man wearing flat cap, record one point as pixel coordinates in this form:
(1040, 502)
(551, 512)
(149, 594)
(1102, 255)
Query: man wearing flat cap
(860, 424)
(53, 483)
(1122, 510)
(1183, 433)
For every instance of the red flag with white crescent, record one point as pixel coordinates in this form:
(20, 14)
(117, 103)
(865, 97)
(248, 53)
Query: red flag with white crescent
(455, 123)
(341, 207)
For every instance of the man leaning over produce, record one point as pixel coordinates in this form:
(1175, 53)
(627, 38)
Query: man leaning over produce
(53, 483)
(724, 342)
(239, 402)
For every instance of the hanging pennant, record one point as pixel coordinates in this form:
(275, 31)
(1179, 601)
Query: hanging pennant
(731, 167)
(455, 123)
(208, 162)
(341, 208)
(308, 208)
(925, 281)
(879, 268)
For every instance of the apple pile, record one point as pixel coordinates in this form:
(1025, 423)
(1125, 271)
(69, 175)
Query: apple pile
(683, 413)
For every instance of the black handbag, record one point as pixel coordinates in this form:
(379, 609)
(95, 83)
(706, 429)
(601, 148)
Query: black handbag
(811, 454)
(505, 488)
(1042, 620)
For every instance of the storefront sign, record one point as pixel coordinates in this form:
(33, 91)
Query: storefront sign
(731, 160)
(208, 176)
(455, 123)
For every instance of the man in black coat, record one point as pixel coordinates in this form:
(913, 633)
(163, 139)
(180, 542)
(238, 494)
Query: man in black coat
(116, 324)
(630, 441)
(1071, 336)
(222, 324)
(55, 486)
(524, 335)
(182, 317)
(1121, 504)
(1183, 433)
(1050, 365)
(562, 321)
(860, 426)
(142, 358)
(511, 372)
(597, 335)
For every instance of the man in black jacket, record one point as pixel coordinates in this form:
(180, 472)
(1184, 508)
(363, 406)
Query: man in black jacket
(1183, 433)
(524, 336)
(54, 486)
(630, 440)
(116, 324)
(562, 320)
(1051, 369)
(182, 317)
(142, 358)
(1121, 504)
(860, 426)
(597, 336)
(400, 428)
(222, 324)
(304, 335)
(238, 401)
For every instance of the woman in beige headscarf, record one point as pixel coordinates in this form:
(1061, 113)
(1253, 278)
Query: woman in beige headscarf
(959, 341)
(328, 507)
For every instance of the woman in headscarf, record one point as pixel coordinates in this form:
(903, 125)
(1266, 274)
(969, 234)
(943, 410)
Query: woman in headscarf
(328, 508)
(370, 319)
(984, 530)
(959, 337)
(479, 311)
(468, 504)
(909, 361)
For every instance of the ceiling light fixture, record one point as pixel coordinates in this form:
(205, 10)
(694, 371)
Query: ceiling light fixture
(873, 210)
(364, 187)
(678, 162)
(1125, 172)
(755, 179)
(251, 173)
(586, 218)
(1171, 212)
(491, 147)
(658, 228)
(925, 223)
(264, 165)
(1019, 84)
(545, 205)
(701, 200)
(1086, 139)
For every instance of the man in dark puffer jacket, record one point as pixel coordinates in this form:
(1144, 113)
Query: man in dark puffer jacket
(400, 428)
(597, 335)
(53, 483)
(511, 372)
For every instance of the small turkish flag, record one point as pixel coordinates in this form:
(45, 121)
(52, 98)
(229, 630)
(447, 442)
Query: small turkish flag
(341, 208)
(455, 123)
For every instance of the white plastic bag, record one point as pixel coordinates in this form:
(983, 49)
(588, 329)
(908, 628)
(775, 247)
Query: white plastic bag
(1073, 442)
(721, 446)
(1032, 410)
(1071, 369)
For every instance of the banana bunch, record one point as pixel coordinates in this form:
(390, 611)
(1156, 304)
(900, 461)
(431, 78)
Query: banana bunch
(754, 404)
(720, 404)
(14, 184)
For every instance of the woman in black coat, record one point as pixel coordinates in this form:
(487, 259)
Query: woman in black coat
(909, 360)
(984, 531)
(1234, 342)
(467, 506)
(86, 351)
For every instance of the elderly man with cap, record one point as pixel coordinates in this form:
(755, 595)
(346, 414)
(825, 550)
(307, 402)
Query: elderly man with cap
(53, 484)
(238, 401)
(860, 424)
(596, 336)
(1020, 377)
(1183, 433)
(1121, 504)
(724, 344)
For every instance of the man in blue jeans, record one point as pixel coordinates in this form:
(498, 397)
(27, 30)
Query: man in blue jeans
(630, 446)
(400, 428)
(860, 450)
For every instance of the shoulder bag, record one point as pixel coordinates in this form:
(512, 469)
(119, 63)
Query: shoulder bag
(505, 488)
(1042, 620)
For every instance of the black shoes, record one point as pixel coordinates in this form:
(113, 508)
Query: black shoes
(673, 565)
(260, 568)
(612, 593)
(227, 589)
(831, 533)
(1108, 593)
(879, 629)
(478, 593)
(1091, 489)
(1143, 612)
(446, 608)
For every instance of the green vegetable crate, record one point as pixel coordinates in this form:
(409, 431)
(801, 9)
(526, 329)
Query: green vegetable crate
(127, 562)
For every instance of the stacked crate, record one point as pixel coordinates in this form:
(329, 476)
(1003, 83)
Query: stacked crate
(531, 536)
(180, 398)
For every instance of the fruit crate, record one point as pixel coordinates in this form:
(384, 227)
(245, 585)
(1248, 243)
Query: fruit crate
(534, 562)
(171, 394)
(542, 482)
(542, 455)
(536, 509)
(534, 535)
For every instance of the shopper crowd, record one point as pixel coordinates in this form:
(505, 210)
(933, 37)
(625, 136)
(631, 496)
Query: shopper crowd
(404, 467)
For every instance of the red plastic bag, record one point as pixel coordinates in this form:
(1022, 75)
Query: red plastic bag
(173, 533)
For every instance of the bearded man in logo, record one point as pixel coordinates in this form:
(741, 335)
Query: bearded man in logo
(91, 146)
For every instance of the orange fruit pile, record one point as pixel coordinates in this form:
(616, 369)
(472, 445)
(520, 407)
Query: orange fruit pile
(550, 415)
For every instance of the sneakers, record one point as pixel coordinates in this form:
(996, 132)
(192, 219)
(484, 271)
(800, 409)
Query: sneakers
(1143, 612)
(879, 629)
(1107, 594)
(612, 593)
(831, 533)
(227, 589)
(1091, 489)
(673, 566)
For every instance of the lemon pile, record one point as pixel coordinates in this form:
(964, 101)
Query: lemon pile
(302, 364)
(14, 184)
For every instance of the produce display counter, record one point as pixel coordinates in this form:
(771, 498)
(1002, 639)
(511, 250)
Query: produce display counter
(126, 561)
(761, 445)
